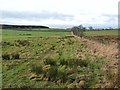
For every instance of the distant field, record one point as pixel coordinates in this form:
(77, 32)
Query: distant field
(101, 33)
(15, 34)
(48, 29)
(7, 34)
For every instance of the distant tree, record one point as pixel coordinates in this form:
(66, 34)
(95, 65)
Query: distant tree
(90, 28)
(84, 28)
(75, 30)
(80, 26)
(78, 30)
(110, 28)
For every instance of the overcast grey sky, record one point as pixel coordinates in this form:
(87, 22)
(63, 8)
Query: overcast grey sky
(60, 13)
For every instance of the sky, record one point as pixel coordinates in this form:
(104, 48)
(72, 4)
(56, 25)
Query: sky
(60, 13)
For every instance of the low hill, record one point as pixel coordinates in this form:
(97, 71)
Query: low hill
(5, 26)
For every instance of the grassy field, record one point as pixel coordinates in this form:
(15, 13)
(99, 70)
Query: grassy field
(48, 29)
(49, 62)
(14, 34)
(39, 60)
(101, 33)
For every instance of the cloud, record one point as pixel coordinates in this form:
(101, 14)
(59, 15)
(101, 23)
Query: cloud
(55, 19)
(44, 15)
(110, 17)
(60, 12)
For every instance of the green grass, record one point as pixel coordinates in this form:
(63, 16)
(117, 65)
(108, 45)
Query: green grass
(53, 62)
(14, 34)
(49, 62)
(48, 29)
(101, 33)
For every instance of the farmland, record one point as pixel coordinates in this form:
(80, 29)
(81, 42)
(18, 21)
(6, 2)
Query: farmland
(11, 34)
(101, 32)
(33, 59)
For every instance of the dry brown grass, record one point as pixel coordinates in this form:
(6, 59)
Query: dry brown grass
(111, 53)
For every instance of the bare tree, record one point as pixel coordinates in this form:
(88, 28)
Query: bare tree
(78, 30)
(90, 28)
(80, 26)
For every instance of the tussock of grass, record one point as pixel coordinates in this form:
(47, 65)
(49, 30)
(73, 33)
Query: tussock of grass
(56, 61)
